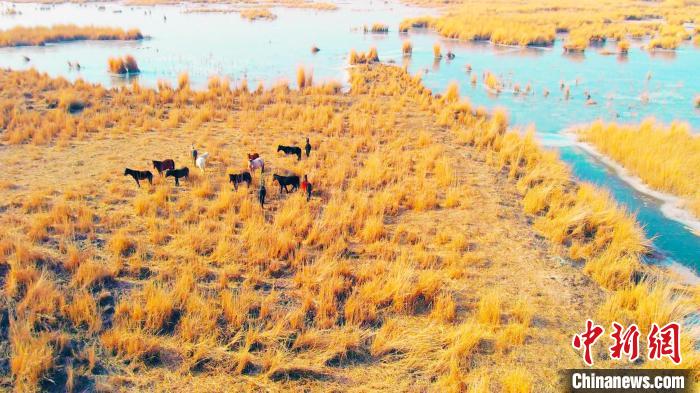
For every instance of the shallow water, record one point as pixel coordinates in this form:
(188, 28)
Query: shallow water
(205, 44)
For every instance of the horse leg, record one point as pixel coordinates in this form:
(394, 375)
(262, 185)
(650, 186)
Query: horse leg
(177, 181)
(137, 182)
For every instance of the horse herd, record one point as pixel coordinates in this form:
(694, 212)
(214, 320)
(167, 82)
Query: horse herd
(254, 162)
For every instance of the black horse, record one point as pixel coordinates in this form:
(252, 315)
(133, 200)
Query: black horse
(139, 175)
(237, 178)
(285, 181)
(307, 148)
(290, 150)
(178, 173)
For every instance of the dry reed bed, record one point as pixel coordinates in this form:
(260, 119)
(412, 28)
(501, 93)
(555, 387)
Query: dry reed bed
(253, 14)
(586, 22)
(41, 35)
(304, 4)
(667, 158)
(412, 267)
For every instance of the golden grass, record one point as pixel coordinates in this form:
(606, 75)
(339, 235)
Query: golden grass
(41, 35)
(623, 46)
(667, 158)
(32, 356)
(125, 65)
(489, 310)
(356, 58)
(492, 82)
(253, 14)
(413, 268)
(304, 78)
(538, 22)
(376, 28)
(437, 51)
(407, 48)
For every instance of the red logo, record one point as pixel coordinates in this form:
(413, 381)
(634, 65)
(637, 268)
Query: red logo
(586, 339)
(626, 342)
(665, 341)
(662, 342)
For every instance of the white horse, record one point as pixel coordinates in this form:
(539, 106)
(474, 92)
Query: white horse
(257, 163)
(202, 161)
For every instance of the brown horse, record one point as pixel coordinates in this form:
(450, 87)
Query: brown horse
(162, 166)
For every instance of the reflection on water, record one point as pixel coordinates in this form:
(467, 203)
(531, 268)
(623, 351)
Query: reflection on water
(625, 88)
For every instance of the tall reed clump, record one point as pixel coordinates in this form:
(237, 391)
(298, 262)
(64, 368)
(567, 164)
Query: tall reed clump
(437, 51)
(377, 28)
(123, 65)
(356, 58)
(623, 46)
(667, 158)
(492, 82)
(304, 78)
(253, 14)
(407, 48)
(42, 35)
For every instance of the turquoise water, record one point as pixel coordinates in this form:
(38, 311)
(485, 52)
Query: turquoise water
(626, 89)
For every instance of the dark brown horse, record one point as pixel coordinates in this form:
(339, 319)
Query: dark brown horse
(162, 166)
(139, 175)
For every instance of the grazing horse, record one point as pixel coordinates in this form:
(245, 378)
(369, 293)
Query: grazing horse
(201, 161)
(253, 156)
(285, 181)
(237, 178)
(139, 175)
(162, 166)
(257, 163)
(307, 148)
(178, 173)
(290, 150)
